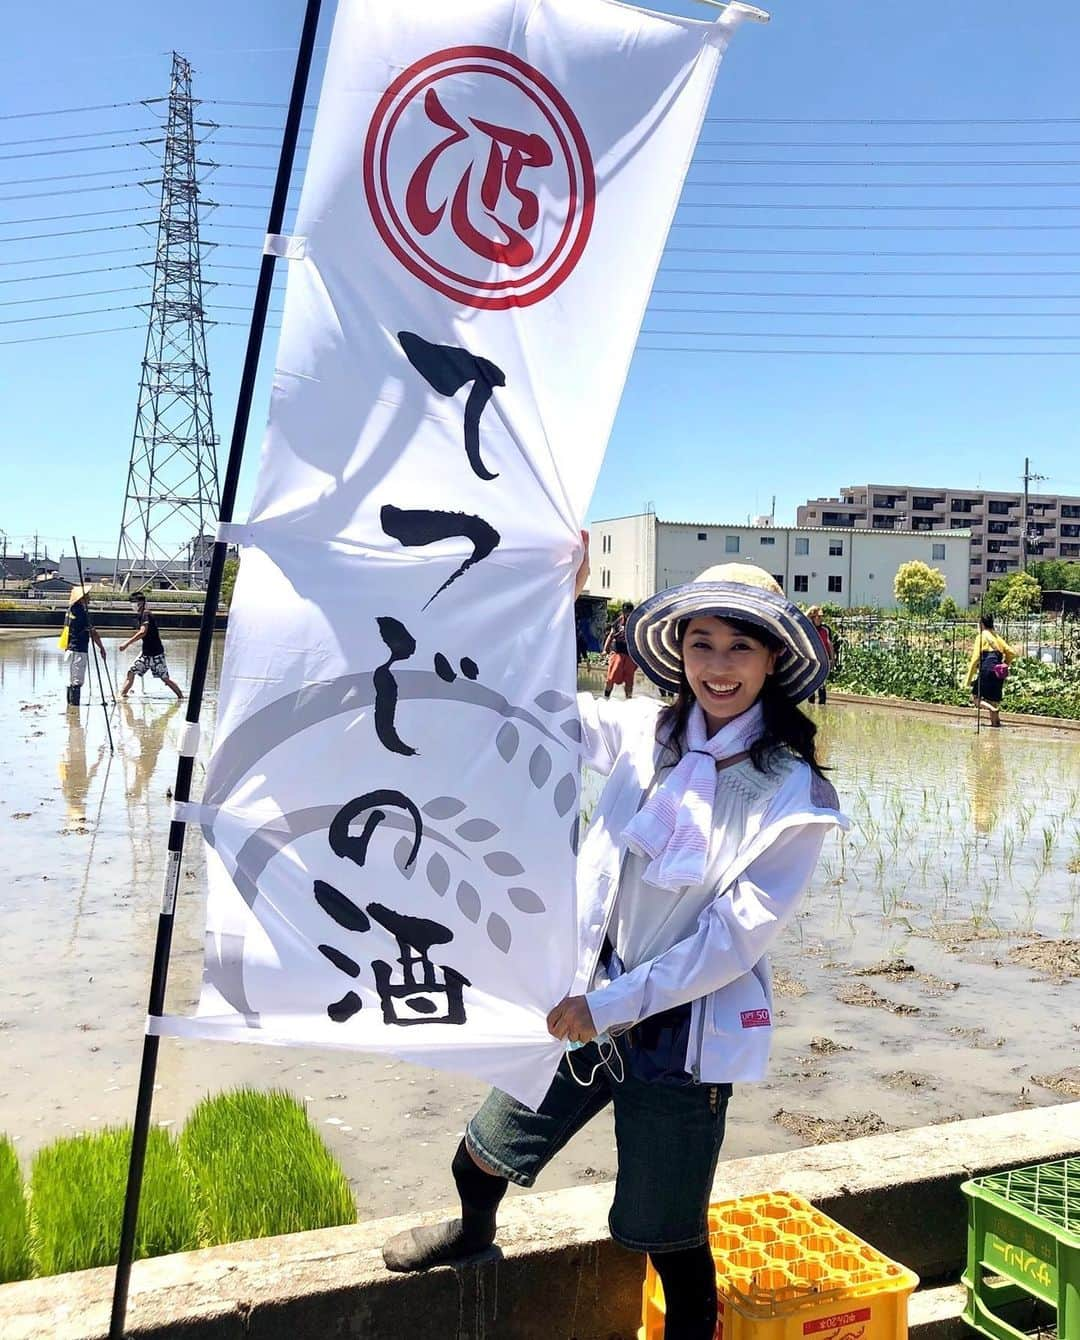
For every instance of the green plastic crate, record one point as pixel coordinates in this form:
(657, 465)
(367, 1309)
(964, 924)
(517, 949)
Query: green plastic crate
(1024, 1244)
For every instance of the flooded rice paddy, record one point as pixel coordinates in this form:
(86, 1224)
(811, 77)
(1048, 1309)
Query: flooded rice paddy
(929, 975)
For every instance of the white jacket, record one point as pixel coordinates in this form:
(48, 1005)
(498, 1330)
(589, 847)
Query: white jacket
(721, 967)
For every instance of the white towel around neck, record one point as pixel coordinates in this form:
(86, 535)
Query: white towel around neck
(674, 825)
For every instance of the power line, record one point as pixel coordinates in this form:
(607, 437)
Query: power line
(63, 316)
(81, 190)
(772, 293)
(879, 274)
(65, 111)
(784, 251)
(865, 353)
(893, 163)
(893, 121)
(69, 256)
(895, 144)
(886, 185)
(80, 135)
(64, 297)
(78, 232)
(72, 176)
(852, 335)
(67, 218)
(82, 149)
(72, 274)
(769, 311)
(892, 227)
(841, 205)
(71, 334)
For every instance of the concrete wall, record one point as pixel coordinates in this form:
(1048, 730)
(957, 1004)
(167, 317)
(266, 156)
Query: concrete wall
(634, 556)
(622, 558)
(555, 1275)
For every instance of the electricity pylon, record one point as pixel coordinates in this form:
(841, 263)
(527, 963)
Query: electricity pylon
(172, 496)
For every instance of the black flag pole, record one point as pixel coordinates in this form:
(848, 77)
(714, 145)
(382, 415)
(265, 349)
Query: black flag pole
(186, 763)
(98, 657)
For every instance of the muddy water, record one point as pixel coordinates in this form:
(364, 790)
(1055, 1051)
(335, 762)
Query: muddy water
(957, 868)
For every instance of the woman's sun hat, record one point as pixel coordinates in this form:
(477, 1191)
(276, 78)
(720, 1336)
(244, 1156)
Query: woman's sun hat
(78, 593)
(739, 591)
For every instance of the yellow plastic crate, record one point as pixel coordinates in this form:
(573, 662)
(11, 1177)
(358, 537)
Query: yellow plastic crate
(785, 1271)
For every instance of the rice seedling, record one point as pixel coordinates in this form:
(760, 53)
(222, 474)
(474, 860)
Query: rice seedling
(77, 1196)
(262, 1167)
(14, 1222)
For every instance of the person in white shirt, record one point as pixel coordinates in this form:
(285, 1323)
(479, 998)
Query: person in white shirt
(703, 842)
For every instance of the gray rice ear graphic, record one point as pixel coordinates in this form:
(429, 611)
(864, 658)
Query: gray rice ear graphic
(223, 969)
(262, 732)
(290, 715)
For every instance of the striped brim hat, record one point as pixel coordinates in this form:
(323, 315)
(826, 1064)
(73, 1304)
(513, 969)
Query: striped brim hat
(739, 591)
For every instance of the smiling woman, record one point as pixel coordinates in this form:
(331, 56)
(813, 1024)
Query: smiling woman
(702, 843)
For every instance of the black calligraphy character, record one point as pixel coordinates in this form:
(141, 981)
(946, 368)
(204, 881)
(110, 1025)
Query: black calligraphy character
(424, 993)
(342, 842)
(401, 645)
(447, 369)
(415, 528)
(509, 153)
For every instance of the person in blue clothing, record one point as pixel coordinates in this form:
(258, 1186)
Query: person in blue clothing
(80, 631)
(701, 847)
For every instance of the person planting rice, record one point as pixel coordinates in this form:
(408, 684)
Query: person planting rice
(152, 654)
(704, 840)
(988, 668)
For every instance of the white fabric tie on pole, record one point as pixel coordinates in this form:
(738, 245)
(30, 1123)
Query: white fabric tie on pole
(395, 770)
(284, 247)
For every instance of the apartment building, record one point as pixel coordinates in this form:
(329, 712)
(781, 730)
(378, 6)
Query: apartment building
(634, 556)
(994, 519)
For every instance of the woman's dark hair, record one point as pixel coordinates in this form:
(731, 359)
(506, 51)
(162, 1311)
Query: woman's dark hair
(987, 621)
(785, 726)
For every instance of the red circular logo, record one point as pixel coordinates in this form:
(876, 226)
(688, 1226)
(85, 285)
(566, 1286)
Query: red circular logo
(479, 178)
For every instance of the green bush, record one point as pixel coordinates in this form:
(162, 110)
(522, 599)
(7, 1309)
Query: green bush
(228, 580)
(925, 661)
(77, 1197)
(14, 1221)
(262, 1167)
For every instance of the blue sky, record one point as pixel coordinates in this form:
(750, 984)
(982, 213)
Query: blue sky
(805, 114)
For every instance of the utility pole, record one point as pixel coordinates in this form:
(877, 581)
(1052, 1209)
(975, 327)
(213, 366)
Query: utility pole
(1025, 527)
(172, 499)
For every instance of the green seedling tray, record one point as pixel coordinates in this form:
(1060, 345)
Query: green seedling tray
(1023, 1243)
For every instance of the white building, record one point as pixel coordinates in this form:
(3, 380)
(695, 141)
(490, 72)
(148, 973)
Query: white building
(634, 556)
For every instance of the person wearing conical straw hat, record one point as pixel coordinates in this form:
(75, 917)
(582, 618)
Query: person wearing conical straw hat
(701, 846)
(79, 631)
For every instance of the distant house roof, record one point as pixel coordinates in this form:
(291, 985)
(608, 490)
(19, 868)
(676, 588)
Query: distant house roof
(17, 569)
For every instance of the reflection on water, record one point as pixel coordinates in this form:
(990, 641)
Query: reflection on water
(956, 840)
(75, 775)
(986, 779)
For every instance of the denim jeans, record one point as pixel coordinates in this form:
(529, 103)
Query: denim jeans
(668, 1140)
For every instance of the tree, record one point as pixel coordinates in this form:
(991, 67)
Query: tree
(948, 609)
(1056, 574)
(918, 586)
(228, 580)
(1023, 596)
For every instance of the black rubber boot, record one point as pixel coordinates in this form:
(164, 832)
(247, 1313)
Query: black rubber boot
(689, 1280)
(74, 694)
(455, 1239)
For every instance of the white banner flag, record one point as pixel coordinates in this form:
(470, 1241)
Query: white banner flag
(391, 805)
